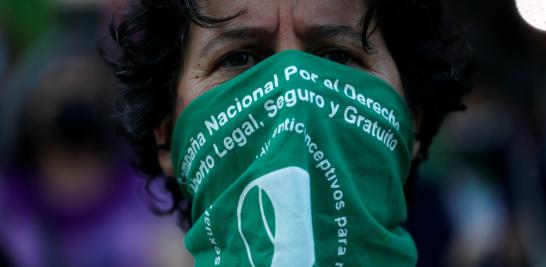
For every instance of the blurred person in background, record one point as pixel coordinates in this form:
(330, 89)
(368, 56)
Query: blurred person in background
(68, 193)
(70, 197)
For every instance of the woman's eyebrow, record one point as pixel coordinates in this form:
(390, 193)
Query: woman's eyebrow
(247, 34)
(321, 32)
(253, 34)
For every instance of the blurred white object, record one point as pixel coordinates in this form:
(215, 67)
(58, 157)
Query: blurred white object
(533, 12)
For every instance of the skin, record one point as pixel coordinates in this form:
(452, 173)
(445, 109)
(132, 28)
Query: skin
(326, 28)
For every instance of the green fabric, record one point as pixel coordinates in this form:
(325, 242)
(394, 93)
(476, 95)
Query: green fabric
(299, 161)
(26, 21)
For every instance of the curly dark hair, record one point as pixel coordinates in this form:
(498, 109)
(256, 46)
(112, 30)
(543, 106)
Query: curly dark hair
(146, 52)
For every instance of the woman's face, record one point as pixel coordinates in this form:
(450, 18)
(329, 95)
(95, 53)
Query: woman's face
(326, 28)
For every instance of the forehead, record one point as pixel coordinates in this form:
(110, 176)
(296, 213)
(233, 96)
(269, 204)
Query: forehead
(269, 14)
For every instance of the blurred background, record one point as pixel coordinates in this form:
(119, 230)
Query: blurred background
(68, 193)
(69, 196)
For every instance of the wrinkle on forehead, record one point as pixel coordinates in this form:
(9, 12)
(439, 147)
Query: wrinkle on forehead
(346, 12)
(269, 14)
(222, 8)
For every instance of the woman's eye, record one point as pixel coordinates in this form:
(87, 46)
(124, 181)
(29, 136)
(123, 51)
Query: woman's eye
(339, 56)
(238, 60)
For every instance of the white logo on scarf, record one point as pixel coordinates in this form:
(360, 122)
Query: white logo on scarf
(289, 193)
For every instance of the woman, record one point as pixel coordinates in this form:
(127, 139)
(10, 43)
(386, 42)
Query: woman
(288, 128)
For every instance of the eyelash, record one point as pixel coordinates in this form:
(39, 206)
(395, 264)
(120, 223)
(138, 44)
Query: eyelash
(219, 64)
(352, 56)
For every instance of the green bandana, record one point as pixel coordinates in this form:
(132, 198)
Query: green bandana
(298, 161)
